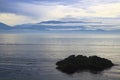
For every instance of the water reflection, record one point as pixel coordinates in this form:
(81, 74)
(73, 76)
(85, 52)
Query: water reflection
(33, 56)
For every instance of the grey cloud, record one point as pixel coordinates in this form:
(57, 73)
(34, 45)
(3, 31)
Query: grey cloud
(13, 7)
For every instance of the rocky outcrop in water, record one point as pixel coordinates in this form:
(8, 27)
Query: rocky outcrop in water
(74, 63)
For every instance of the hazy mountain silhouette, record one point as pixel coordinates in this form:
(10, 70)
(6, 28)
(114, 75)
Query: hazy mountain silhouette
(4, 26)
(63, 22)
(49, 26)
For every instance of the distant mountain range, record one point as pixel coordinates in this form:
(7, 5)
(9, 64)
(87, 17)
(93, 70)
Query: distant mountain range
(57, 26)
(63, 22)
(4, 27)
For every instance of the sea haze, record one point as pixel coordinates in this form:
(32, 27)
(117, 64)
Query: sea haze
(33, 56)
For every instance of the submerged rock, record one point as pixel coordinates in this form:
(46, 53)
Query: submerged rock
(74, 63)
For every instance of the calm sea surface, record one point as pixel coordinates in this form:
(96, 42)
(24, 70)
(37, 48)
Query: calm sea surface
(33, 56)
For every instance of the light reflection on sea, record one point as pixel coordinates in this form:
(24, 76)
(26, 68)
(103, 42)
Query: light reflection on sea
(33, 56)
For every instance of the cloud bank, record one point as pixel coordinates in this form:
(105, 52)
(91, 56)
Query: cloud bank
(14, 12)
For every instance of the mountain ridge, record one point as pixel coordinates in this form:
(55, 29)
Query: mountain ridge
(4, 26)
(56, 28)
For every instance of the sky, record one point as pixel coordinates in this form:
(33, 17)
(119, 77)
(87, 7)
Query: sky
(15, 12)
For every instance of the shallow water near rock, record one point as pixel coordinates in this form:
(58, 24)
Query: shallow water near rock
(33, 56)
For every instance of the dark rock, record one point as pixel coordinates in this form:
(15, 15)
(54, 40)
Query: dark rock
(74, 63)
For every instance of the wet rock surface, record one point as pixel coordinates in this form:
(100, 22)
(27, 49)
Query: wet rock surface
(78, 63)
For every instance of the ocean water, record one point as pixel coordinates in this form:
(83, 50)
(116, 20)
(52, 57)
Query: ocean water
(33, 56)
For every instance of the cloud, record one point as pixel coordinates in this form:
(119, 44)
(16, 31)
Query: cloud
(64, 29)
(105, 27)
(13, 19)
(106, 10)
(33, 11)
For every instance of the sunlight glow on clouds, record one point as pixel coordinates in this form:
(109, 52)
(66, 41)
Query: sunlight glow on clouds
(35, 11)
(64, 29)
(106, 10)
(12, 19)
(56, 11)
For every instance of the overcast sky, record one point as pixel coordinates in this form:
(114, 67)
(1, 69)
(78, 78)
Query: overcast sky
(14, 12)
